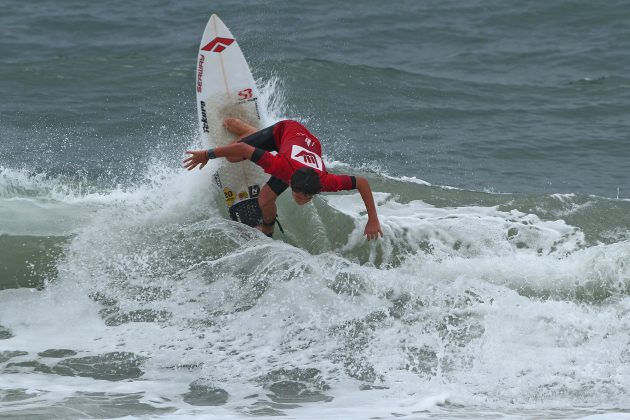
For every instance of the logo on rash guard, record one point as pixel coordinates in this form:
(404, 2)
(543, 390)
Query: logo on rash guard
(218, 44)
(306, 157)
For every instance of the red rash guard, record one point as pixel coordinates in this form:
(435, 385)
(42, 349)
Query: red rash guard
(297, 147)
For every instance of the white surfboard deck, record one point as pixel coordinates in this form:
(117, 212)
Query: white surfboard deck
(226, 88)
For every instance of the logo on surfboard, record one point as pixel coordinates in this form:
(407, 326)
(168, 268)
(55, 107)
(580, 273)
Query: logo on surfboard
(218, 44)
(200, 73)
(204, 117)
(246, 94)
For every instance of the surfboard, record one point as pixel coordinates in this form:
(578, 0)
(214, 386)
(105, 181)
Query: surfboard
(226, 89)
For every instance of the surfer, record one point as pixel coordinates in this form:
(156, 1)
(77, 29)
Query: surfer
(297, 163)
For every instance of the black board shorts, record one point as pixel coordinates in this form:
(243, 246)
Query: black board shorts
(264, 140)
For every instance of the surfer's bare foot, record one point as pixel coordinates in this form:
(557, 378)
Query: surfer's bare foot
(267, 230)
(238, 127)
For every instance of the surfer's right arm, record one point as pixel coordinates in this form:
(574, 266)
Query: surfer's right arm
(233, 152)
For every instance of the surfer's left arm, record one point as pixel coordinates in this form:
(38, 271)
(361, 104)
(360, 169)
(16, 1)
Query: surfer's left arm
(373, 226)
(234, 152)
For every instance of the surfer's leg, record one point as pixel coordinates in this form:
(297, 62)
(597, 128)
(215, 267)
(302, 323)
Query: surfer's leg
(238, 127)
(262, 139)
(241, 129)
(267, 202)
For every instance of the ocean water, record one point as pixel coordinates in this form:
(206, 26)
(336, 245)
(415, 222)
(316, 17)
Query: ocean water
(494, 134)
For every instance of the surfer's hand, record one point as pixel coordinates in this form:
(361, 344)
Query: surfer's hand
(197, 157)
(372, 229)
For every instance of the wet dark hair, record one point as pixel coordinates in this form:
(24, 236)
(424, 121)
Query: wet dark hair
(305, 180)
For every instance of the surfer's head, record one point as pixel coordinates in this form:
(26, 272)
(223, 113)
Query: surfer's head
(305, 184)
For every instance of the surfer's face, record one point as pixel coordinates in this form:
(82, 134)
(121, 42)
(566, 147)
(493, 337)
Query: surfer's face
(301, 198)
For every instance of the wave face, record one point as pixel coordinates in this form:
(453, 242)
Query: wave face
(494, 141)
